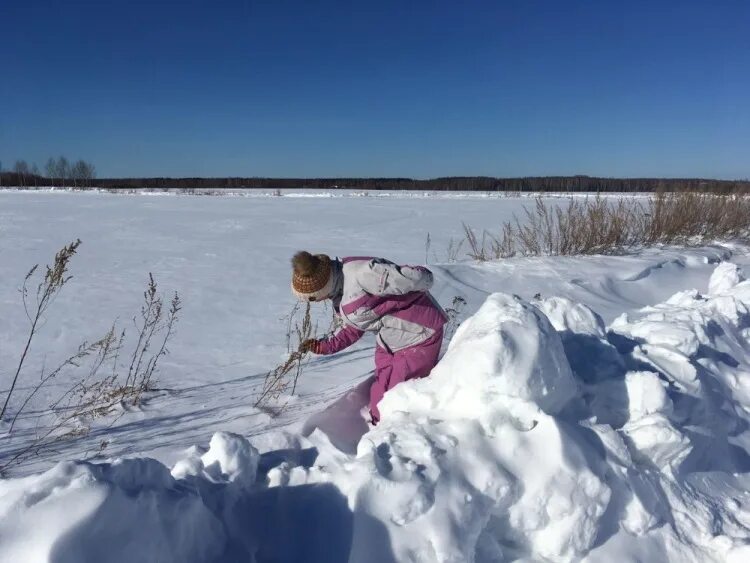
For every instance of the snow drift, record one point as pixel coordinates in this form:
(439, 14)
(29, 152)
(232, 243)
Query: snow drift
(541, 435)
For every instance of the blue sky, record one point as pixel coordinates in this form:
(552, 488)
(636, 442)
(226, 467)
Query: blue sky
(382, 88)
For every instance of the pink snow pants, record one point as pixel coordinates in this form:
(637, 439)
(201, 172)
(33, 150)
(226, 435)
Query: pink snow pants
(410, 363)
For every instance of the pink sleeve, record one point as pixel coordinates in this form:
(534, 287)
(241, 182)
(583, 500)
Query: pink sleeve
(342, 339)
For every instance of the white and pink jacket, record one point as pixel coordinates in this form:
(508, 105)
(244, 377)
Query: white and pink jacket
(376, 295)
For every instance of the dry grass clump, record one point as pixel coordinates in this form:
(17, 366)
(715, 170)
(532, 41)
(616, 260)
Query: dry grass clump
(286, 374)
(155, 328)
(91, 376)
(601, 226)
(691, 215)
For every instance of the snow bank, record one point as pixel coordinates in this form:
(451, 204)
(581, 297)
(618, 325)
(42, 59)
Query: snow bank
(507, 350)
(208, 509)
(129, 510)
(541, 435)
(472, 452)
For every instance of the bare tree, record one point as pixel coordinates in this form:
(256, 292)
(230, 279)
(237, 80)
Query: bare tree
(82, 173)
(22, 169)
(77, 172)
(50, 169)
(90, 173)
(63, 169)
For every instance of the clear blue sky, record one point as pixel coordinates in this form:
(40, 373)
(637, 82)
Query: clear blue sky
(380, 88)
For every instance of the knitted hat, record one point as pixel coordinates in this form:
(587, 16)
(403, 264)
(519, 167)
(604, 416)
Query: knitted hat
(311, 276)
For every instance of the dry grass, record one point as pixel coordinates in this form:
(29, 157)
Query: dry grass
(155, 326)
(54, 279)
(285, 375)
(601, 226)
(91, 376)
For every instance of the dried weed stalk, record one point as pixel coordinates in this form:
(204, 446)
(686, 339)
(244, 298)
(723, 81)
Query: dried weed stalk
(49, 287)
(154, 327)
(286, 375)
(454, 247)
(94, 386)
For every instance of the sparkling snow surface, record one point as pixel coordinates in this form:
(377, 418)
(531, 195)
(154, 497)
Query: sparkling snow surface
(588, 408)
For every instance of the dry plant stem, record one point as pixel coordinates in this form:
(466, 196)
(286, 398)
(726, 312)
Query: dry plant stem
(476, 249)
(53, 435)
(145, 380)
(59, 429)
(277, 381)
(289, 325)
(152, 322)
(99, 389)
(83, 351)
(454, 248)
(274, 383)
(305, 331)
(150, 313)
(54, 280)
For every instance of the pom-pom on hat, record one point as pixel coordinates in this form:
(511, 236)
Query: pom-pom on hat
(311, 276)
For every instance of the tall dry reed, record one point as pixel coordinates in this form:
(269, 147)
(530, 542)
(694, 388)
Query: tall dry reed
(598, 225)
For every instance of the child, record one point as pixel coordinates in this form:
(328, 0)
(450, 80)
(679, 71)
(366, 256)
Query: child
(375, 295)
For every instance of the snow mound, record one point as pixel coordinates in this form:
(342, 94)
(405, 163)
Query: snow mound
(725, 277)
(628, 443)
(507, 350)
(567, 316)
(542, 435)
(584, 338)
(471, 456)
(129, 510)
(230, 459)
(135, 510)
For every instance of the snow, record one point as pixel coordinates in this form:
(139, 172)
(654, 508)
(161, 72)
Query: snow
(336, 192)
(647, 394)
(586, 409)
(506, 350)
(477, 441)
(230, 458)
(725, 277)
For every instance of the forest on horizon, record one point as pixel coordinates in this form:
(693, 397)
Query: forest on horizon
(458, 183)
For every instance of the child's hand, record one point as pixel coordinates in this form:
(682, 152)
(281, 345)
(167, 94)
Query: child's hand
(310, 345)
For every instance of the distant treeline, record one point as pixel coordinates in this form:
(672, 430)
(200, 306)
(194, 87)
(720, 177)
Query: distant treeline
(468, 183)
(57, 172)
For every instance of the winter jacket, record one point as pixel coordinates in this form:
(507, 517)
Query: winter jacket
(379, 296)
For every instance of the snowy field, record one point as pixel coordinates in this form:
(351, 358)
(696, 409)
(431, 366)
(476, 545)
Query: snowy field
(324, 193)
(588, 408)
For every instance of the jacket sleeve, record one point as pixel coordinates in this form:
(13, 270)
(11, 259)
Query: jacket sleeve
(342, 339)
(382, 277)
